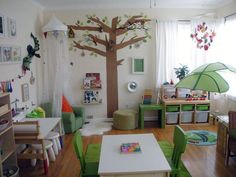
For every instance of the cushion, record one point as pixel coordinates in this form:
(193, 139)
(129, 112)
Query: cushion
(66, 107)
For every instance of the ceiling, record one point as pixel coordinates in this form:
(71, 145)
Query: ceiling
(110, 4)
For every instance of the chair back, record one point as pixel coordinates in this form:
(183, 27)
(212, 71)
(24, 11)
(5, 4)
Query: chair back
(232, 120)
(78, 146)
(180, 141)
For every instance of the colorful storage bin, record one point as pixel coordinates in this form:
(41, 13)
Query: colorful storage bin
(172, 108)
(202, 107)
(188, 107)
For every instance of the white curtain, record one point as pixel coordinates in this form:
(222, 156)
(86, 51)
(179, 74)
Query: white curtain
(55, 69)
(166, 38)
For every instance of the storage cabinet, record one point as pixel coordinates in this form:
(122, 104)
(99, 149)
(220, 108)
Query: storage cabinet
(178, 111)
(7, 141)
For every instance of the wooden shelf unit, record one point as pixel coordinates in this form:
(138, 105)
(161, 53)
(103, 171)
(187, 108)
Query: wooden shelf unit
(194, 115)
(7, 141)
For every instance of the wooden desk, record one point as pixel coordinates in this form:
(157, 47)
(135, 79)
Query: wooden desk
(150, 162)
(26, 133)
(151, 107)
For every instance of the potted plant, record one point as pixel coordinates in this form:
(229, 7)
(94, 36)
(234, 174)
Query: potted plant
(181, 71)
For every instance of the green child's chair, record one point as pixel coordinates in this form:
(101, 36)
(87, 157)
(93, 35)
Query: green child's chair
(90, 160)
(180, 141)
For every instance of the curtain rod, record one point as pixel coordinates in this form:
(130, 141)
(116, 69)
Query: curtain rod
(230, 15)
(184, 20)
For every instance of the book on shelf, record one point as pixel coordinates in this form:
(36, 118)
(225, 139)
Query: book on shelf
(127, 148)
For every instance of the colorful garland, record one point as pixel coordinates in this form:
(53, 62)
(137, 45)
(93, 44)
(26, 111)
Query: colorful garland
(203, 36)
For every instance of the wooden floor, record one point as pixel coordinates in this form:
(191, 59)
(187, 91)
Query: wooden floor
(201, 161)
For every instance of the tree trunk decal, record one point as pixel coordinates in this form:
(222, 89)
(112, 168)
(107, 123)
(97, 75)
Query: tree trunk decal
(112, 46)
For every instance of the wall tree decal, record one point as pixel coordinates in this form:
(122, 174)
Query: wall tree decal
(111, 44)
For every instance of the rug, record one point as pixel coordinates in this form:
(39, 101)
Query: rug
(96, 126)
(201, 137)
(167, 149)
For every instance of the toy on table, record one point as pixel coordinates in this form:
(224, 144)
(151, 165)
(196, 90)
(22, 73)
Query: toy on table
(130, 148)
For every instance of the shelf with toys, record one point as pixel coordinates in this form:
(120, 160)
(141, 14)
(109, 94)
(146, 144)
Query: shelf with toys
(184, 106)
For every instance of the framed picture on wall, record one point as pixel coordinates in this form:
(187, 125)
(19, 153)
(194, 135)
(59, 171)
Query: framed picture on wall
(138, 66)
(6, 54)
(15, 54)
(2, 25)
(25, 92)
(11, 26)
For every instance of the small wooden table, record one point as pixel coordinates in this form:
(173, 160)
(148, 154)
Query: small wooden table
(151, 107)
(150, 162)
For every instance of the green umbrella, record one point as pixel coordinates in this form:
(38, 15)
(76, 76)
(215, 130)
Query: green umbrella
(206, 78)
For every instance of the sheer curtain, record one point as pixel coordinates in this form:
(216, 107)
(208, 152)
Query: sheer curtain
(55, 69)
(166, 39)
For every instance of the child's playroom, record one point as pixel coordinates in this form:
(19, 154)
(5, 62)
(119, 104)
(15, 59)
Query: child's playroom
(128, 88)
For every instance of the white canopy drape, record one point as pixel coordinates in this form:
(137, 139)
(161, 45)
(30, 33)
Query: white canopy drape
(56, 64)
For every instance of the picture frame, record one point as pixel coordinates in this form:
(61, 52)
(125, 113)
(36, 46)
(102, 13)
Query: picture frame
(138, 66)
(25, 92)
(11, 27)
(16, 54)
(2, 25)
(10, 54)
(6, 54)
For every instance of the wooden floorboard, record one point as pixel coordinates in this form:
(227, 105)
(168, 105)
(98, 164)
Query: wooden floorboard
(201, 161)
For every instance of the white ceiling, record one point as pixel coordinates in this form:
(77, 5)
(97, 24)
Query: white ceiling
(109, 4)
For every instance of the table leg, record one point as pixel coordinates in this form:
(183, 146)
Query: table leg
(163, 121)
(141, 118)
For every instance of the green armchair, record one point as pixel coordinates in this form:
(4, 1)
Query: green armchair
(72, 121)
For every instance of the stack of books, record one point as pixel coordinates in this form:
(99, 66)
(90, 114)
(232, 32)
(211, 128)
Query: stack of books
(147, 96)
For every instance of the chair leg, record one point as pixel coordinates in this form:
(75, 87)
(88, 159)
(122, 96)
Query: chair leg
(33, 161)
(58, 144)
(54, 145)
(51, 154)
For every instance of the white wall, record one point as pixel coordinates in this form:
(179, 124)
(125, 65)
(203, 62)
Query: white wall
(28, 19)
(88, 63)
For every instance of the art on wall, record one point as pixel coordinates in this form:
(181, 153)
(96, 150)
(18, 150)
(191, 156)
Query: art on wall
(11, 26)
(120, 33)
(2, 25)
(138, 66)
(203, 36)
(10, 54)
(25, 92)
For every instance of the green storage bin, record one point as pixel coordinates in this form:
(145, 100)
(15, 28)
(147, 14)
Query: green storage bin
(202, 107)
(188, 107)
(172, 108)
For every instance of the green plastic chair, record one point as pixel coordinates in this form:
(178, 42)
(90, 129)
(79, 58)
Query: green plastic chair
(90, 160)
(180, 141)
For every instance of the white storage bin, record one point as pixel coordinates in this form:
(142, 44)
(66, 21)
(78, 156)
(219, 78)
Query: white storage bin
(187, 117)
(172, 117)
(201, 116)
